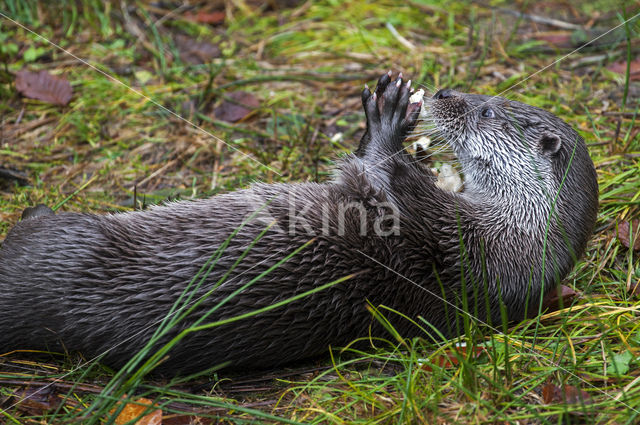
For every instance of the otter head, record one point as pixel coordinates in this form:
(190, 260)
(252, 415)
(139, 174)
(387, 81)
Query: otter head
(529, 166)
(502, 146)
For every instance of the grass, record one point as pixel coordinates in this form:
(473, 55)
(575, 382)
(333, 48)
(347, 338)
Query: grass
(307, 64)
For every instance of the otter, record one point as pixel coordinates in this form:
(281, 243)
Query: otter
(381, 233)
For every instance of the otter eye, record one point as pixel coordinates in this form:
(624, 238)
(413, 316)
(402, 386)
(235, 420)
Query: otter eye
(487, 113)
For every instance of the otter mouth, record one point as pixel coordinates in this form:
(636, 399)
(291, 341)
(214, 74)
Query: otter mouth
(433, 151)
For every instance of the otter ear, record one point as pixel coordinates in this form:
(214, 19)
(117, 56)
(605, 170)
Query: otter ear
(550, 143)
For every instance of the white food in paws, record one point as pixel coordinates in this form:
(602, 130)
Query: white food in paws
(417, 96)
(422, 143)
(449, 178)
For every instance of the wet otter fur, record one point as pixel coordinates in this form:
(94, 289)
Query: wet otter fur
(102, 283)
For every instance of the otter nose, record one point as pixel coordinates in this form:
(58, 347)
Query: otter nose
(443, 94)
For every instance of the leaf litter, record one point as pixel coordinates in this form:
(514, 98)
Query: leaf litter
(236, 106)
(44, 86)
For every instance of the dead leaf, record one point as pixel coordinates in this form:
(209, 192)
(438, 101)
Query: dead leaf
(38, 400)
(623, 234)
(239, 105)
(449, 358)
(620, 67)
(560, 298)
(567, 394)
(44, 86)
(134, 409)
(196, 52)
(213, 18)
(555, 300)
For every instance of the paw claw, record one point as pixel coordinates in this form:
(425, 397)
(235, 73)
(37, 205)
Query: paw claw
(366, 94)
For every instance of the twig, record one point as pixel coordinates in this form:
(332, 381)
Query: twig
(157, 172)
(540, 19)
(55, 382)
(619, 114)
(406, 43)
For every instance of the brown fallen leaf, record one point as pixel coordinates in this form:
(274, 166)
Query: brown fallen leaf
(196, 52)
(555, 300)
(560, 298)
(567, 394)
(134, 409)
(213, 18)
(238, 106)
(37, 400)
(449, 358)
(624, 229)
(620, 67)
(44, 86)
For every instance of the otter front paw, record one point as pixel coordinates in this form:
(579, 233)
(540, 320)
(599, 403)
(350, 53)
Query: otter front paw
(389, 114)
